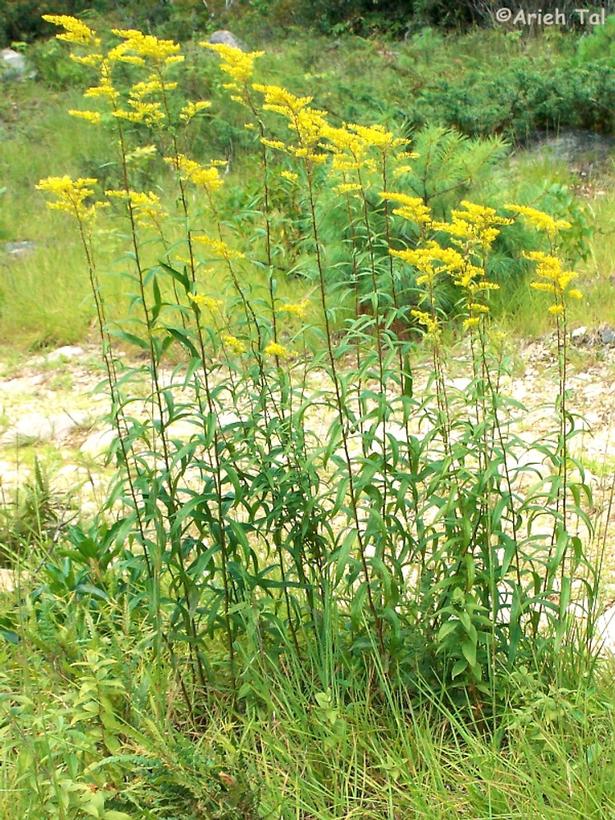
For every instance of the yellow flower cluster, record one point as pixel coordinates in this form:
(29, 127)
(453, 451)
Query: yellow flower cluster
(71, 195)
(540, 220)
(145, 205)
(377, 137)
(297, 309)
(206, 177)
(74, 30)
(291, 176)
(425, 319)
(138, 48)
(233, 343)
(191, 109)
(475, 224)
(236, 64)
(555, 280)
(277, 350)
(308, 123)
(411, 208)
(431, 260)
(93, 117)
(143, 152)
(205, 302)
(105, 86)
(219, 248)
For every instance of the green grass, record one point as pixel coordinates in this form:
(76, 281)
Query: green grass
(297, 747)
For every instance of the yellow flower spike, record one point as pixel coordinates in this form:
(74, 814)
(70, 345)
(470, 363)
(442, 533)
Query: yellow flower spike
(574, 293)
(412, 207)
(427, 321)
(235, 63)
(218, 247)
(75, 31)
(275, 349)
(540, 220)
(275, 144)
(377, 136)
(233, 343)
(206, 177)
(347, 188)
(192, 109)
(105, 87)
(93, 117)
(147, 113)
(205, 302)
(289, 175)
(298, 309)
(145, 47)
(90, 60)
(556, 310)
(471, 322)
(146, 205)
(71, 195)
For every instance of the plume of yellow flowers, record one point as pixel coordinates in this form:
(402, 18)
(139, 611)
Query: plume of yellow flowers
(75, 31)
(218, 247)
(540, 220)
(140, 48)
(233, 343)
(71, 196)
(432, 328)
(93, 117)
(290, 176)
(205, 302)
(431, 260)
(148, 113)
(552, 279)
(308, 123)
(192, 109)
(236, 64)
(105, 86)
(145, 205)
(294, 309)
(277, 350)
(411, 208)
(206, 177)
(474, 224)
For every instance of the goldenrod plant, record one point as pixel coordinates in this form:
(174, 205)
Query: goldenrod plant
(318, 488)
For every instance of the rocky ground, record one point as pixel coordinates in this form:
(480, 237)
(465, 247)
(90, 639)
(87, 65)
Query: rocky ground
(52, 409)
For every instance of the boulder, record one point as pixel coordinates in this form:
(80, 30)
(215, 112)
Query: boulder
(13, 65)
(20, 248)
(226, 38)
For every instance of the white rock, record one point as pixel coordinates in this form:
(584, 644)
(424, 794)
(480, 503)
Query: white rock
(98, 442)
(65, 352)
(13, 65)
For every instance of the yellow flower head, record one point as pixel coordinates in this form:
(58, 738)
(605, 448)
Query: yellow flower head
(411, 208)
(93, 117)
(425, 319)
(431, 260)
(233, 343)
(147, 113)
(191, 109)
(74, 30)
(553, 280)
(540, 220)
(71, 195)
(145, 47)
(145, 205)
(277, 350)
(297, 309)
(105, 86)
(143, 152)
(235, 63)
(206, 177)
(205, 302)
(219, 248)
(347, 188)
(473, 223)
(289, 175)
